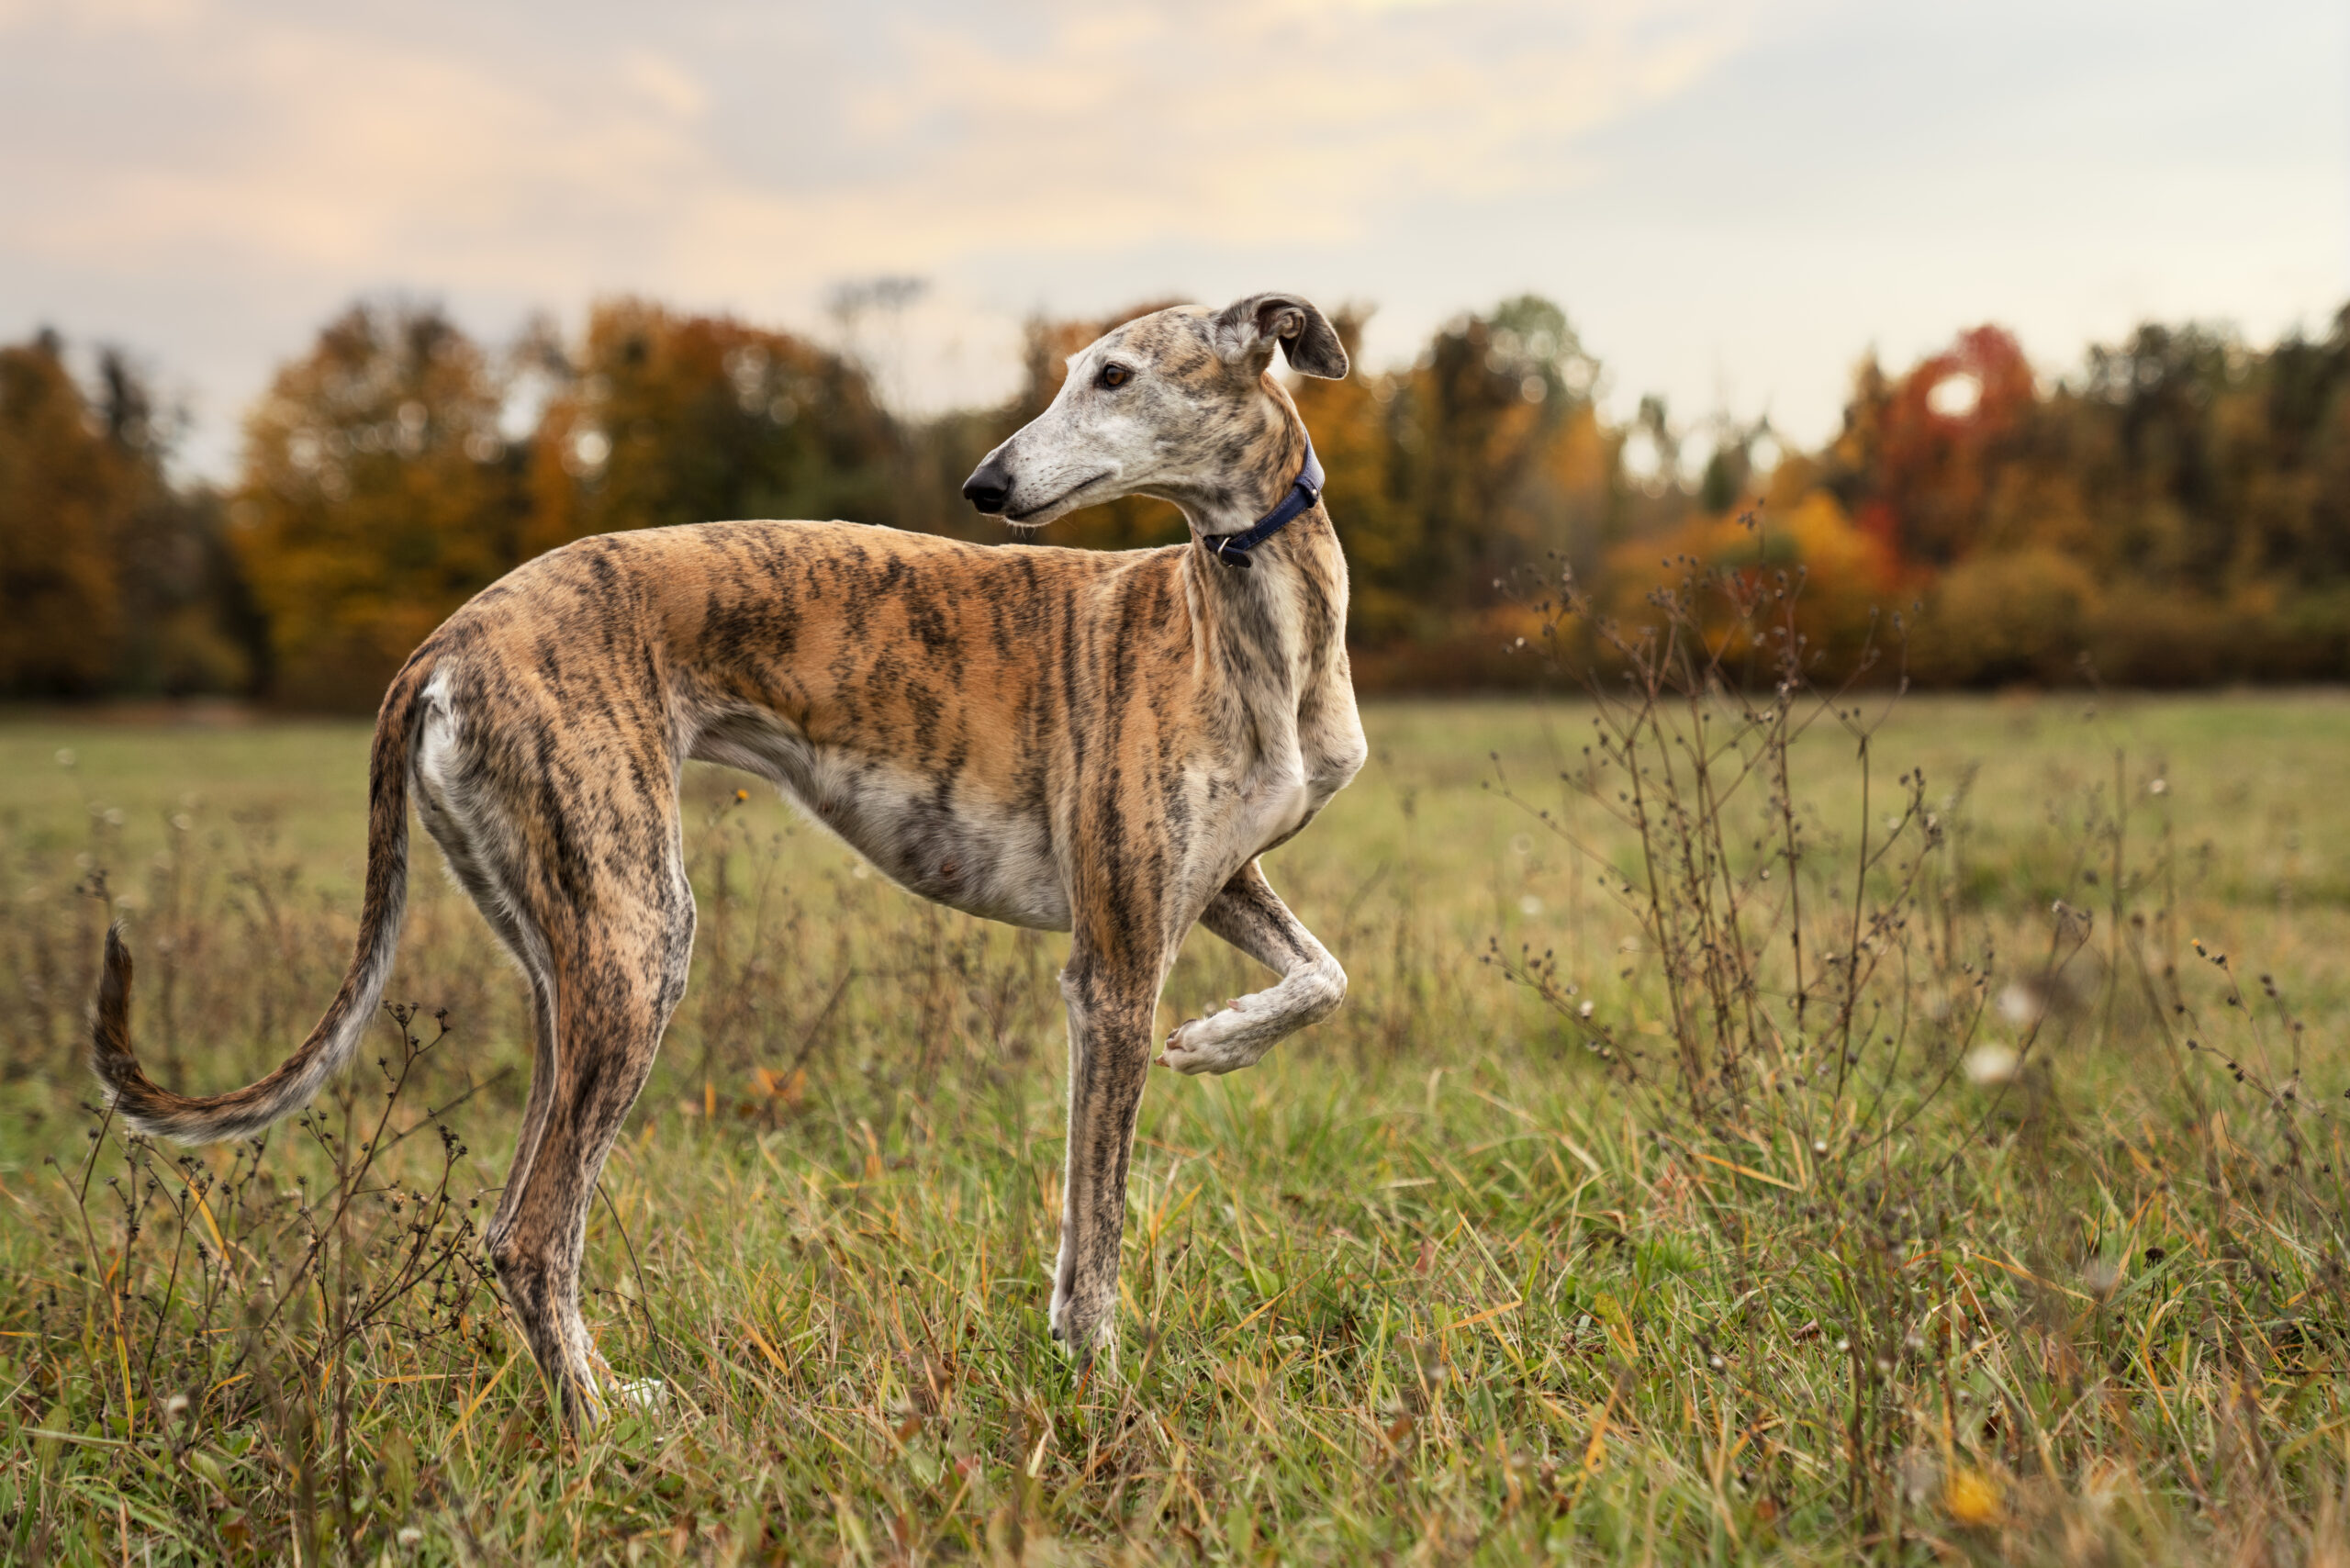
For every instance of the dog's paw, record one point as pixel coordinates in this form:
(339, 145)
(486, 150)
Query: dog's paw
(1220, 1042)
(646, 1393)
(1083, 1327)
(586, 1405)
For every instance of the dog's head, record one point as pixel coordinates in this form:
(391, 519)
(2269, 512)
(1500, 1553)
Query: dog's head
(1177, 405)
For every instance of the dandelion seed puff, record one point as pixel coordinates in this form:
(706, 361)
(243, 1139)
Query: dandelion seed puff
(1991, 1065)
(2019, 1005)
(1530, 904)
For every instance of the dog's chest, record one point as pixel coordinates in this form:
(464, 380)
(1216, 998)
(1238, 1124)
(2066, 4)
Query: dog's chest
(1273, 804)
(1291, 780)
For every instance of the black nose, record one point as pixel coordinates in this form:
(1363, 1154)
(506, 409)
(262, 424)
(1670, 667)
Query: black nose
(988, 488)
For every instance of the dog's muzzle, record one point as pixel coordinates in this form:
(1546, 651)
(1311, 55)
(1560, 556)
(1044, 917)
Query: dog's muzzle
(988, 488)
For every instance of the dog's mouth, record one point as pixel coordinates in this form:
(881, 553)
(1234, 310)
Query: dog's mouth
(1026, 514)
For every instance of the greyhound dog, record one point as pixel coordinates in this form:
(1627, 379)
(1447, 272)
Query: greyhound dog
(1093, 742)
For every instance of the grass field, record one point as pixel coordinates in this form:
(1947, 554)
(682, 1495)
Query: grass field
(1948, 1247)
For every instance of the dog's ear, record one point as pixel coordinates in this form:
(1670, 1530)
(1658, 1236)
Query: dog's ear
(1248, 328)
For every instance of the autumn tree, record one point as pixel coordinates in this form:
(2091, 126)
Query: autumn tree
(1918, 455)
(669, 419)
(111, 580)
(64, 492)
(1499, 449)
(189, 624)
(377, 494)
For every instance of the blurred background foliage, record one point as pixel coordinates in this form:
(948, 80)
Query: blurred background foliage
(2175, 512)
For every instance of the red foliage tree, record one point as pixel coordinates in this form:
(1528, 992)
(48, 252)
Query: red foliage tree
(1921, 453)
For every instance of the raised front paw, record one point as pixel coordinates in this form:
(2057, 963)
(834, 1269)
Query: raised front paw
(1219, 1042)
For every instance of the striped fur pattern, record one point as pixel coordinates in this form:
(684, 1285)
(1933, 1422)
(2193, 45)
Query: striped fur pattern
(1096, 743)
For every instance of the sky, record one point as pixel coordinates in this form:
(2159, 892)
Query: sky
(1734, 200)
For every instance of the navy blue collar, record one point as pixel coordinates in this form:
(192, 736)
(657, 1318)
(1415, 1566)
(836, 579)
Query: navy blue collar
(1232, 549)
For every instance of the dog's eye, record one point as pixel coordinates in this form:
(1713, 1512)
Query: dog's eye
(1115, 376)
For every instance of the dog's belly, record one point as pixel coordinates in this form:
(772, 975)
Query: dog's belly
(946, 841)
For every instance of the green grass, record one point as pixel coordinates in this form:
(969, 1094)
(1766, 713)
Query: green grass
(1429, 1285)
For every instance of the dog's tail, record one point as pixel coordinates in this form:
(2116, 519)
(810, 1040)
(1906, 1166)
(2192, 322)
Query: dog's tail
(148, 1107)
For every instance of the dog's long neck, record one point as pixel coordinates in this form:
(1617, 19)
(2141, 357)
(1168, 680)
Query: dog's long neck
(1273, 632)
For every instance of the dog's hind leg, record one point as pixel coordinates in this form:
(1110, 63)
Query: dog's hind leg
(571, 848)
(482, 844)
(1247, 913)
(614, 993)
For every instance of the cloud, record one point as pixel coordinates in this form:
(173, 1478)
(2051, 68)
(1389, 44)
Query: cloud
(306, 141)
(1117, 125)
(298, 148)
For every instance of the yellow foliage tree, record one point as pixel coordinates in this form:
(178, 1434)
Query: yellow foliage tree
(1835, 573)
(64, 492)
(376, 496)
(679, 419)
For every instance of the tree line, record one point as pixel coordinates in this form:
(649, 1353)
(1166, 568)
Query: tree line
(2176, 510)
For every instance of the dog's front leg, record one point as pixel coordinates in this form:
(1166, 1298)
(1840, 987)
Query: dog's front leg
(1247, 913)
(1110, 1005)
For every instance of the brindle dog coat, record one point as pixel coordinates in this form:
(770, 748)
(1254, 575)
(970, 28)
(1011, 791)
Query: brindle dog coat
(1096, 743)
